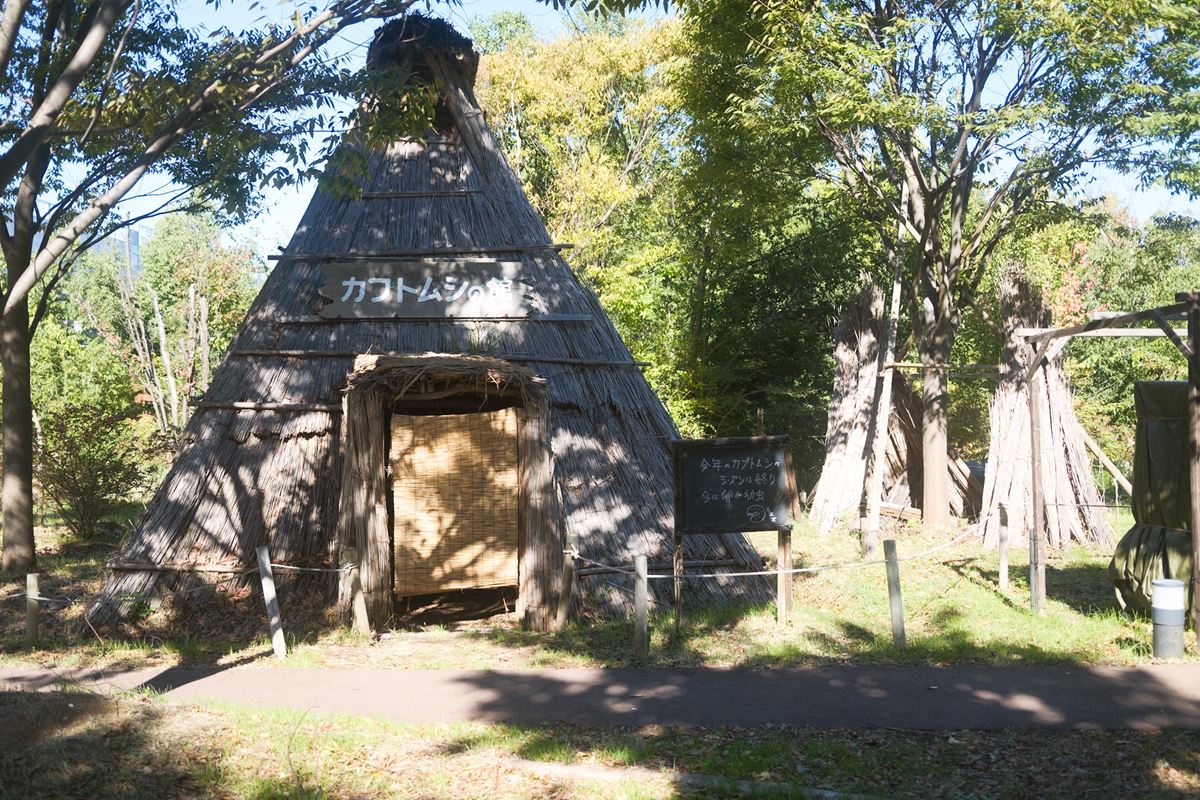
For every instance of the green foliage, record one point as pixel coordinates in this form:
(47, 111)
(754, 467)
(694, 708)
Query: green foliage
(501, 31)
(185, 251)
(88, 464)
(77, 369)
(716, 265)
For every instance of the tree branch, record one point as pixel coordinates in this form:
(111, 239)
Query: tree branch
(189, 119)
(60, 92)
(10, 26)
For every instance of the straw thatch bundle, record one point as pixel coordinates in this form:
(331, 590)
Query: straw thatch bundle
(263, 460)
(855, 396)
(1072, 501)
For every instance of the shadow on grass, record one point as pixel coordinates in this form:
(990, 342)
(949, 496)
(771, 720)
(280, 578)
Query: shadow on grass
(74, 744)
(77, 745)
(790, 760)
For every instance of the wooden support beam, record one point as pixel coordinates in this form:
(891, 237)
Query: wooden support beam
(531, 359)
(429, 193)
(948, 367)
(429, 252)
(327, 408)
(1110, 322)
(1094, 446)
(783, 587)
(1037, 567)
(1108, 315)
(132, 566)
(1192, 303)
(1101, 333)
(313, 319)
(1173, 335)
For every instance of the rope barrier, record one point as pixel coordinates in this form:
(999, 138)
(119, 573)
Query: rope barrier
(792, 571)
(69, 601)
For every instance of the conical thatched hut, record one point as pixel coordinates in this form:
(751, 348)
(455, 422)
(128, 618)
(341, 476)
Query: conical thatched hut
(423, 387)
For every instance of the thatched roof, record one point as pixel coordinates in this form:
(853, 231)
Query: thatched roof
(404, 373)
(261, 462)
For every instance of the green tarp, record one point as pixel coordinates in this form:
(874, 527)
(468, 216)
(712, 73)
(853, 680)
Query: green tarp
(1161, 495)
(1147, 552)
(1159, 545)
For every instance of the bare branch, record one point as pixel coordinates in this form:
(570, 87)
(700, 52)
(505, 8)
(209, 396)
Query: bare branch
(10, 25)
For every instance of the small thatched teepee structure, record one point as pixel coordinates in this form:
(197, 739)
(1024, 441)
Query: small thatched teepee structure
(1073, 508)
(840, 493)
(500, 420)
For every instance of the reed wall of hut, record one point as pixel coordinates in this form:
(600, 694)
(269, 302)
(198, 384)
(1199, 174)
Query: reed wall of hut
(274, 449)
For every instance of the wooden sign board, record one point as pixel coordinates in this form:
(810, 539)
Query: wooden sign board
(433, 289)
(742, 484)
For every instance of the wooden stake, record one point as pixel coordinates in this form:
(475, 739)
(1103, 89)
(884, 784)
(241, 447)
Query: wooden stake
(1193, 330)
(641, 609)
(677, 569)
(273, 616)
(783, 587)
(1003, 548)
(883, 401)
(1037, 568)
(360, 622)
(32, 609)
(894, 598)
(564, 593)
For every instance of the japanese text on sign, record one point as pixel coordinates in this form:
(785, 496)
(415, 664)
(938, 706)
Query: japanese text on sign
(441, 288)
(733, 484)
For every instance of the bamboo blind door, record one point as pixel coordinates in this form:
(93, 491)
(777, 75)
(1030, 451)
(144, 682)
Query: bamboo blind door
(455, 494)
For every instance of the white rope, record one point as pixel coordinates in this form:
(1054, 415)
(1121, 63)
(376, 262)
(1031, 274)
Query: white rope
(822, 568)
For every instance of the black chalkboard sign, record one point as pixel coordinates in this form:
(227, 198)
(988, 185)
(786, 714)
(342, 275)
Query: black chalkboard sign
(742, 484)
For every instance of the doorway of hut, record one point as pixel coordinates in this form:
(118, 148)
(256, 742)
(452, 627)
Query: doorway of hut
(454, 507)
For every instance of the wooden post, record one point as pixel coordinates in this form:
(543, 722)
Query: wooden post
(677, 570)
(641, 609)
(32, 609)
(360, 622)
(1037, 567)
(883, 404)
(783, 587)
(1003, 547)
(273, 616)
(894, 598)
(1193, 329)
(566, 590)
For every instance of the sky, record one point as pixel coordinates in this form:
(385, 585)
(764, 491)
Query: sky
(282, 209)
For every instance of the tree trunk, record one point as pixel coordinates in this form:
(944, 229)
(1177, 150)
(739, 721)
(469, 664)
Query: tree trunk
(19, 555)
(935, 408)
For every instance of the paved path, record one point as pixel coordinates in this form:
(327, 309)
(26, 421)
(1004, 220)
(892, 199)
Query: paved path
(828, 697)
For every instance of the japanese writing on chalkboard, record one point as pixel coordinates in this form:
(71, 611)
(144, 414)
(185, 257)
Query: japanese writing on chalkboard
(435, 288)
(733, 484)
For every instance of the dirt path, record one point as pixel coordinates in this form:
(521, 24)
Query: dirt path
(965, 697)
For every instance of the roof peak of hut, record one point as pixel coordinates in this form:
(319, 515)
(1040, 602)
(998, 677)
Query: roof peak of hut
(404, 43)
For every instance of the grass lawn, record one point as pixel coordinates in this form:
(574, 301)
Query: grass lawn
(82, 745)
(954, 612)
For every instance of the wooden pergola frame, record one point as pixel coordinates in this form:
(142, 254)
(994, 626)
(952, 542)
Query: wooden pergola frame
(1047, 343)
